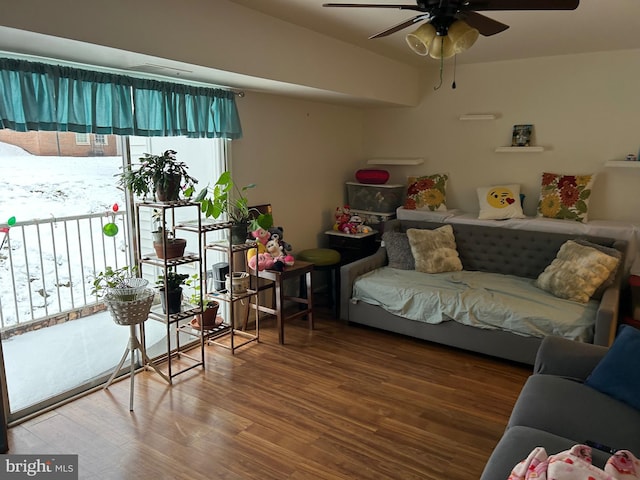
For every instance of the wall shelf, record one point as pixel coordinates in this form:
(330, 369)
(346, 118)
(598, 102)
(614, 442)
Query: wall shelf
(534, 149)
(395, 161)
(477, 116)
(622, 164)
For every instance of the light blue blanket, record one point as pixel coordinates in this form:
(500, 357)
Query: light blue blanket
(481, 299)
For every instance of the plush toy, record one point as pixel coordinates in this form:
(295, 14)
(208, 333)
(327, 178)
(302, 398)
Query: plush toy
(261, 235)
(360, 227)
(273, 246)
(273, 257)
(342, 216)
(280, 231)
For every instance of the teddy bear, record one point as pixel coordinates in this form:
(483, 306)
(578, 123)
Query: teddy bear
(280, 231)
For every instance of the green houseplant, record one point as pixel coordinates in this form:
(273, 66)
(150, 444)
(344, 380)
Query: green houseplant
(207, 318)
(170, 286)
(161, 175)
(119, 284)
(225, 197)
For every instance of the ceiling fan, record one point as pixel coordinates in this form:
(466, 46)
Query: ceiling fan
(452, 26)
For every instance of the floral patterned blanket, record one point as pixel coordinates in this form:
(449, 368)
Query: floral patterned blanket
(575, 464)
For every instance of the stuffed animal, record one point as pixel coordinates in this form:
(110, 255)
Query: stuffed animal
(273, 257)
(342, 217)
(261, 235)
(280, 231)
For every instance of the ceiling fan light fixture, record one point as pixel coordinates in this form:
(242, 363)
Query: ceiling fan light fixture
(462, 36)
(441, 47)
(420, 39)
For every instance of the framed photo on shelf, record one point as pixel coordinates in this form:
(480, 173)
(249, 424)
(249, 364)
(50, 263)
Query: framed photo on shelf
(521, 135)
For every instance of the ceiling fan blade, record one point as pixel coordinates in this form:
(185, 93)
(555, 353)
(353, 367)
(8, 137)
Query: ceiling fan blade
(485, 25)
(488, 5)
(375, 5)
(400, 26)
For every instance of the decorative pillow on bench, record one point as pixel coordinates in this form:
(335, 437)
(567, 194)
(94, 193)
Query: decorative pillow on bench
(500, 202)
(577, 272)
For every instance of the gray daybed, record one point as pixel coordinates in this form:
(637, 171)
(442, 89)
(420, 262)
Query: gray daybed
(485, 249)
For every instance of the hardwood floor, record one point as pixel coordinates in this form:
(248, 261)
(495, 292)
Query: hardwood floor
(341, 402)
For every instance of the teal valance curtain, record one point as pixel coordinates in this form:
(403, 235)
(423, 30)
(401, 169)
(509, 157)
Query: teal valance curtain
(39, 96)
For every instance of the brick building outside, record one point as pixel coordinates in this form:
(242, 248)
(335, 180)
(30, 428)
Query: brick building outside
(62, 144)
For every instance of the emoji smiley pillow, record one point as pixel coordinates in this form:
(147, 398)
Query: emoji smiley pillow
(500, 202)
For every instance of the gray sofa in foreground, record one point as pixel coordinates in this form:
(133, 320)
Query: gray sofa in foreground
(486, 249)
(555, 410)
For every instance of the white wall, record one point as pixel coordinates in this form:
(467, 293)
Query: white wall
(299, 154)
(585, 110)
(216, 34)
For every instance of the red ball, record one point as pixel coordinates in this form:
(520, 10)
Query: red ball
(115, 207)
(372, 176)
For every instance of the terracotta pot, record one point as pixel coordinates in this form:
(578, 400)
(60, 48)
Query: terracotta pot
(209, 318)
(175, 248)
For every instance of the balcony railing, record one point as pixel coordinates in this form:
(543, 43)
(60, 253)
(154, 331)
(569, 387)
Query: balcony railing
(47, 267)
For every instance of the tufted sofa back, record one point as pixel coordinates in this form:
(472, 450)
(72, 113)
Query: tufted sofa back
(508, 251)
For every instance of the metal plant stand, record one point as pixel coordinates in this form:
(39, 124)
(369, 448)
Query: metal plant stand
(132, 313)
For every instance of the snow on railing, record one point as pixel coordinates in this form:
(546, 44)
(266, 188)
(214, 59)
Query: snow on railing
(47, 265)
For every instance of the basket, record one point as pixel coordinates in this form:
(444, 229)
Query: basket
(134, 288)
(130, 312)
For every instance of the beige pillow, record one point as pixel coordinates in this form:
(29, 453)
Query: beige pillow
(576, 272)
(434, 251)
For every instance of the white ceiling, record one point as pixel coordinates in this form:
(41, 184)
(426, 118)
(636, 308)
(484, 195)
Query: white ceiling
(596, 25)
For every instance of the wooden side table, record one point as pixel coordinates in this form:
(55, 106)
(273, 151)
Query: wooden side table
(297, 270)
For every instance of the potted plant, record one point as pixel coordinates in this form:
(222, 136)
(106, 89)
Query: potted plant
(209, 316)
(161, 175)
(170, 286)
(120, 284)
(227, 198)
(164, 240)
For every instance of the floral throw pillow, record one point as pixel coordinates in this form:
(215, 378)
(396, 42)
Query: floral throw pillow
(565, 196)
(427, 193)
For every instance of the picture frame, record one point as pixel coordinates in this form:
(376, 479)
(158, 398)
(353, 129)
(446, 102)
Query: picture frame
(522, 135)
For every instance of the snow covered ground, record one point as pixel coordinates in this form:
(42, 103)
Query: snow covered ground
(51, 188)
(43, 363)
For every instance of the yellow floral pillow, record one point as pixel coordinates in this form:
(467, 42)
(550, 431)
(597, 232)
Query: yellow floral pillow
(565, 196)
(427, 193)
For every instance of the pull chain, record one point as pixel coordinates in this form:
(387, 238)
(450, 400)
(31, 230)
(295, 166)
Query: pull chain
(455, 63)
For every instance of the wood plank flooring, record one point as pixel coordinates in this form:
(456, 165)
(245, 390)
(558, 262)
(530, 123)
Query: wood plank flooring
(341, 402)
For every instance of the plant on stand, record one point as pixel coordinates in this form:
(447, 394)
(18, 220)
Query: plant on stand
(170, 286)
(225, 197)
(120, 284)
(209, 316)
(162, 175)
